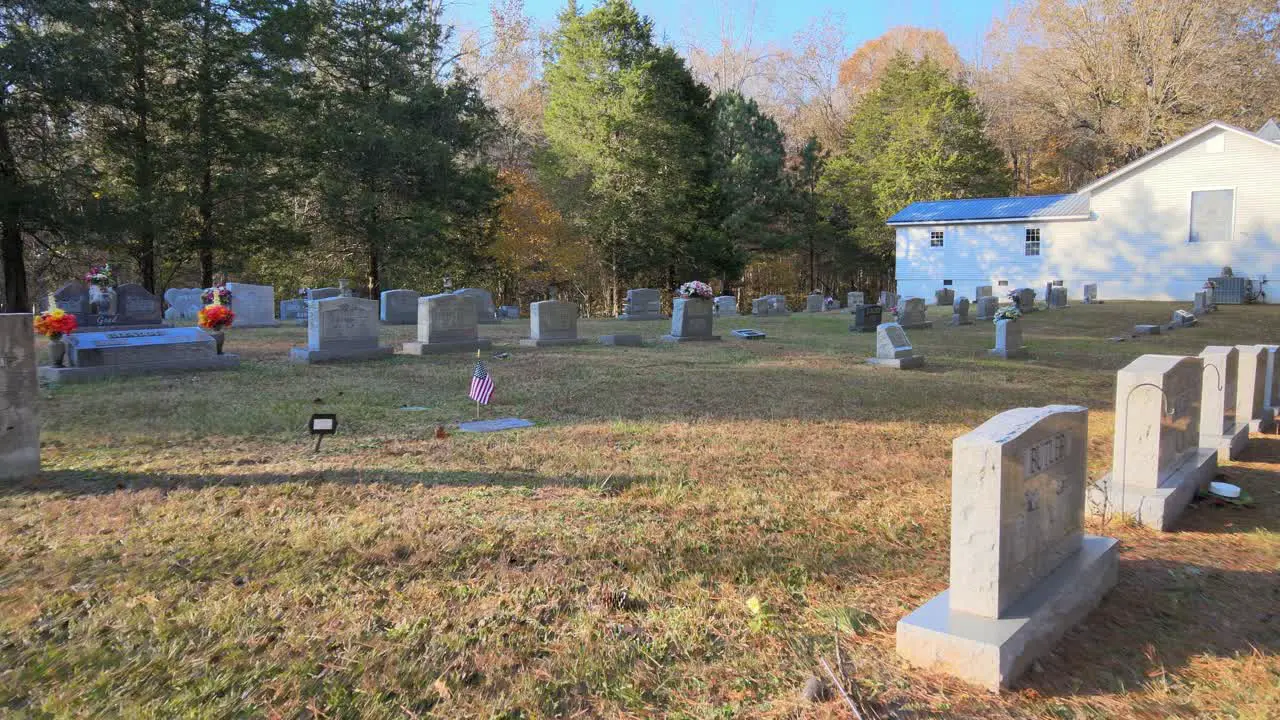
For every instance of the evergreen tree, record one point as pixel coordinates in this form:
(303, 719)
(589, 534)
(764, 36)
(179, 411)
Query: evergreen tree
(920, 135)
(627, 130)
(393, 147)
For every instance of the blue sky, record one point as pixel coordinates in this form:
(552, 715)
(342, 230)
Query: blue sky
(776, 21)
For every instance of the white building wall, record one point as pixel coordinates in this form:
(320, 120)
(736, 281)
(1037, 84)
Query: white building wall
(1136, 247)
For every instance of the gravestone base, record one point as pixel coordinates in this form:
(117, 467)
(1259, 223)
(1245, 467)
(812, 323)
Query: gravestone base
(71, 375)
(1158, 508)
(1228, 445)
(906, 363)
(1266, 423)
(437, 348)
(622, 340)
(1146, 329)
(307, 356)
(957, 320)
(689, 338)
(918, 326)
(1015, 354)
(121, 328)
(855, 328)
(643, 316)
(550, 342)
(994, 652)
(243, 326)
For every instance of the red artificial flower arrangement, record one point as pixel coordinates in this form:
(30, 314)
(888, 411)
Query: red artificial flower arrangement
(55, 323)
(216, 317)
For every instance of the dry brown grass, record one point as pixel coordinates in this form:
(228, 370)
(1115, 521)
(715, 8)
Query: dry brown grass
(185, 554)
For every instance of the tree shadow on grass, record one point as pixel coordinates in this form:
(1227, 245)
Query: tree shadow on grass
(93, 482)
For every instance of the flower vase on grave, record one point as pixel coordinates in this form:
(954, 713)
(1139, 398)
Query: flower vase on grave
(219, 337)
(102, 299)
(57, 352)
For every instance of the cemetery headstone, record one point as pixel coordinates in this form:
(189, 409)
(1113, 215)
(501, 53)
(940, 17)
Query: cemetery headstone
(866, 318)
(760, 307)
(1146, 329)
(323, 293)
(888, 299)
(622, 340)
(293, 310)
(509, 312)
(1090, 293)
(1182, 318)
(1211, 299)
(945, 297)
(1157, 462)
(1271, 392)
(987, 307)
(749, 334)
(726, 306)
(1022, 570)
(981, 291)
(893, 349)
(184, 303)
(642, 304)
(691, 321)
(960, 311)
(552, 322)
(911, 314)
(1026, 300)
(117, 352)
(399, 307)
(778, 305)
(74, 298)
(1201, 304)
(1057, 297)
(138, 307)
(341, 328)
(1251, 388)
(486, 313)
(19, 420)
(254, 305)
(133, 308)
(1008, 339)
(446, 323)
(1219, 426)
(813, 303)
(855, 298)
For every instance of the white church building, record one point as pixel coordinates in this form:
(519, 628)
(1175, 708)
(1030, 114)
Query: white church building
(1155, 229)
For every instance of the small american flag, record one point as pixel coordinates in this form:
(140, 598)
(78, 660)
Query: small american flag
(481, 384)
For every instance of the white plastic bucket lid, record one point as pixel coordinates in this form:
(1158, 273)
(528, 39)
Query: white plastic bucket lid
(1226, 490)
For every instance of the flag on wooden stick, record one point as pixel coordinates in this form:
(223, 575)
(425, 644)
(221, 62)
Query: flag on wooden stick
(481, 383)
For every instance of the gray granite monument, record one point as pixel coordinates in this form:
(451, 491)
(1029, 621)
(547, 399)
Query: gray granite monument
(398, 307)
(960, 311)
(341, 328)
(1008, 340)
(866, 318)
(981, 291)
(691, 321)
(726, 306)
(184, 303)
(1219, 427)
(19, 421)
(120, 352)
(551, 323)
(446, 323)
(642, 304)
(987, 307)
(1251, 388)
(813, 303)
(945, 297)
(893, 349)
(911, 314)
(855, 298)
(254, 305)
(1090, 293)
(486, 313)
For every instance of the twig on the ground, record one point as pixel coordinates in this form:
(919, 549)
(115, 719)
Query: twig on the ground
(840, 686)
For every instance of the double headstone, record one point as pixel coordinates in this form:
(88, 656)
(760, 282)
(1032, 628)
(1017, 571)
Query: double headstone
(398, 307)
(1026, 300)
(254, 305)
(1022, 570)
(642, 304)
(726, 305)
(552, 322)
(1251, 388)
(486, 313)
(888, 299)
(446, 323)
(1090, 293)
(866, 318)
(19, 422)
(184, 303)
(813, 303)
(893, 348)
(1219, 426)
(133, 307)
(911, 314)
(1057, 297)
(341, 328)
(117, 352)
(945, 297)
(691, 320)
(960, 311)
(987, 307)
(1008, 339)
(854, 299)
(1157, 464)
(981, 291)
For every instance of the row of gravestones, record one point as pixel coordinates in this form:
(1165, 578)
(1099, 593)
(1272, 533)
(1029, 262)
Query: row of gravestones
(137, 308)
(400, 307)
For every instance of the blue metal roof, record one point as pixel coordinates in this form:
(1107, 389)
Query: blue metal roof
(1004, 208)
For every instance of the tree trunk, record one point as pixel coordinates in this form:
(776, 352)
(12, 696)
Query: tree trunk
(144, 179)
(16, 298)
(206, 241)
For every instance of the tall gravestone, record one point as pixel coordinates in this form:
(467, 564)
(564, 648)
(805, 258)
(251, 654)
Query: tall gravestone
(1201, 304)
(398, 307)
(1219, 427)
(1056, 297)
(855, 298)
(1271, 388)
(446, 323)
(911, 314)
(19, 422)
(1251, 388)
(893, 349)
(760, 307)
(813, 303)
(1157, 462)
(486, 313)
(778, 305)
(960, 311)
(944, 297)
(1026, 300)
(552, 322)
(135, 308)
(341, 328)
(691, 321)
(981, 291)
(888, 300)
(726, 305)
(1008, 340)
(866, 318)
(184, 303)
(1022, 570)
(987, 307)
(254, 305)
(138, 307)
(1090, 293)
(642, 304)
